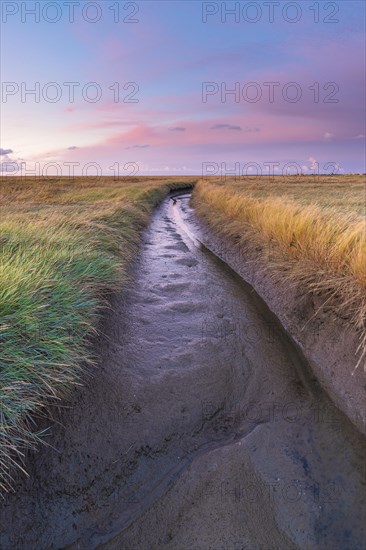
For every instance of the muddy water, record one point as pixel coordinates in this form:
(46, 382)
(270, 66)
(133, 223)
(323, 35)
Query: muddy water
(201, 429)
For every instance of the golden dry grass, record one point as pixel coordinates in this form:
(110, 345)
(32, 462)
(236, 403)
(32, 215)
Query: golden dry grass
(313, 236)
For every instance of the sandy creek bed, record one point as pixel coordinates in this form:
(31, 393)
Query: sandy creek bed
(202, 427)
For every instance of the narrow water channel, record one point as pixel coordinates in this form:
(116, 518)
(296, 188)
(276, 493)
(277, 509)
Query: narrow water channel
(202, 428)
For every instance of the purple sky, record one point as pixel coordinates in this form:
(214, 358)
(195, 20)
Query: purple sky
(295, 71)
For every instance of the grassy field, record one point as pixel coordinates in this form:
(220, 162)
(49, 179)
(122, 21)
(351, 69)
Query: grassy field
(64, 245)
(311, 229)
(343, 194)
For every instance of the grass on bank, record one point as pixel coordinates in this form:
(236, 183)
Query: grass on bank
(313, 232)
(64, 245)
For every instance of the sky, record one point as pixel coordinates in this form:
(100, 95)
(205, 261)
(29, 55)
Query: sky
(182, 87)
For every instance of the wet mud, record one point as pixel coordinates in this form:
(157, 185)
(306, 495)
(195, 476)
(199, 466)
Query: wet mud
(201, 428)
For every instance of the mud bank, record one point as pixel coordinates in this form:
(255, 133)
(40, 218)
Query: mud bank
(202, 428)
(328, 341)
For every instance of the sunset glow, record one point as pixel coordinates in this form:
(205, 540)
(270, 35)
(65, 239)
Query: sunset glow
(179, 84)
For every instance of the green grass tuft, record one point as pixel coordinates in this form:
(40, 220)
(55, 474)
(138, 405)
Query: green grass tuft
(63, 248)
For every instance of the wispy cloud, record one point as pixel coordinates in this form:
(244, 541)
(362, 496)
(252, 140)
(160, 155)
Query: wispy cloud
(313, 163)
(226, 127)
(9, 164)
(178, 129)
(139, 146)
